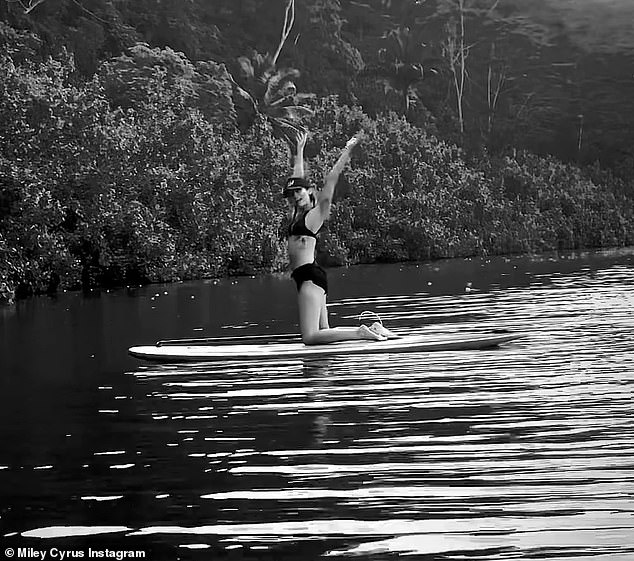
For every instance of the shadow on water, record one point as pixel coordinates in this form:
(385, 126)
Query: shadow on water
(523, 452)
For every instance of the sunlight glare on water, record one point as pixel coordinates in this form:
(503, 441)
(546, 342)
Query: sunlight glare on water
(521, 452)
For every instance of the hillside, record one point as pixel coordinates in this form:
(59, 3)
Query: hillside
(145, 141)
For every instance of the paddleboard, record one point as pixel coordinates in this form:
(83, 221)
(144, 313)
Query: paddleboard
(251, 352)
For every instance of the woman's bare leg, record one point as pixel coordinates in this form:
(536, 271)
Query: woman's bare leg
(323, 316)
(312, 300)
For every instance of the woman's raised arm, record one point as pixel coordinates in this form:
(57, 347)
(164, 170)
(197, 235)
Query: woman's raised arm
(327, 193)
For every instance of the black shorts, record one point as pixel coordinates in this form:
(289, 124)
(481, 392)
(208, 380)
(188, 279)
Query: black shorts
(310, 272)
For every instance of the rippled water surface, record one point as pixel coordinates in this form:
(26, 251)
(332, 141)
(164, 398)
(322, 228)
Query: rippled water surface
(522, 452)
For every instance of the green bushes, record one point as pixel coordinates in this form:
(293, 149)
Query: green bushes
(98, 191)
(94, 193)
(410, 196)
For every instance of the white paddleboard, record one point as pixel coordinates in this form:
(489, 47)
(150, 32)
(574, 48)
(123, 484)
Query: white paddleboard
(251, 352)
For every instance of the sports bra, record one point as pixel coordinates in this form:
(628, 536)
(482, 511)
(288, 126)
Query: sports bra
(298, 227)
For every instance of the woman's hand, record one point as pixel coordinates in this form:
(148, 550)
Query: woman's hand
(298, 164)
(302, 137)
(355, 140)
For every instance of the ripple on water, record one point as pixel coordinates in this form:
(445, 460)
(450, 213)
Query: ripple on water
(515, 453)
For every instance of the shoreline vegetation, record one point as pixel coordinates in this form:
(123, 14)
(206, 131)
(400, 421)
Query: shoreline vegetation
(143, 174)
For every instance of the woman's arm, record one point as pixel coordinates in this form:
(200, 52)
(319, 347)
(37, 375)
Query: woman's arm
(327, 193)
(298, 168)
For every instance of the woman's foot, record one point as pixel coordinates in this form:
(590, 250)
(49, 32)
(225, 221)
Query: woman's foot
(367, 333)
(378, 328)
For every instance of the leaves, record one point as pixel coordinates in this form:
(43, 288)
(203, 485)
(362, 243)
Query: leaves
(140, 172)
(264, 92)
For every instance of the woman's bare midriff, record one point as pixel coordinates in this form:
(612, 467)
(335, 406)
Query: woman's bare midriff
(301, 250)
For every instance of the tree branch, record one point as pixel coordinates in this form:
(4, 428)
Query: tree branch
(27, 8)
(495, 5)
(87, 11)
(289, 20)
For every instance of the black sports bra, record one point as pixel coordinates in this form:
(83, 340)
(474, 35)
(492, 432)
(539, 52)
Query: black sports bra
(298, 227)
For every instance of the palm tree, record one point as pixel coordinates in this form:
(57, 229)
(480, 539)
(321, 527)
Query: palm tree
(261, 91)
(264, 92)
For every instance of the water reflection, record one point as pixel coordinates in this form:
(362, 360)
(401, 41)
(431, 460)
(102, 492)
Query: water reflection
(515, 453)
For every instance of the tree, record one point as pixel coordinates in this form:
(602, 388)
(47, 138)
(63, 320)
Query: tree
(143, 74)
(261, 91)
(323, 49)
(402, 64)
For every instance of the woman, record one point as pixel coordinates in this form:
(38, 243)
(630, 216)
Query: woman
(308, 208)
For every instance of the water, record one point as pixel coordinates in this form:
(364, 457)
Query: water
(524, 452)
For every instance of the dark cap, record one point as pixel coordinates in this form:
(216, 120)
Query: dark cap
(293, 183)
(297, 183)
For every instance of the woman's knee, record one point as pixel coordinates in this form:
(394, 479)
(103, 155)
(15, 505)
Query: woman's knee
(309, 338)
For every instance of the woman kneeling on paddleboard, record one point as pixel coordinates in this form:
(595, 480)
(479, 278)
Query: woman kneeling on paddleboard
(307, 210)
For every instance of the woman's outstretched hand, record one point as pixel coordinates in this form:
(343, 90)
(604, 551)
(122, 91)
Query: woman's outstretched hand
(302, 137)
(355, 140)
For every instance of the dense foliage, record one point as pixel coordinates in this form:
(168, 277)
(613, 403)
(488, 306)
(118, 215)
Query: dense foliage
(411, 196)
(550, 76)
(126, 162)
